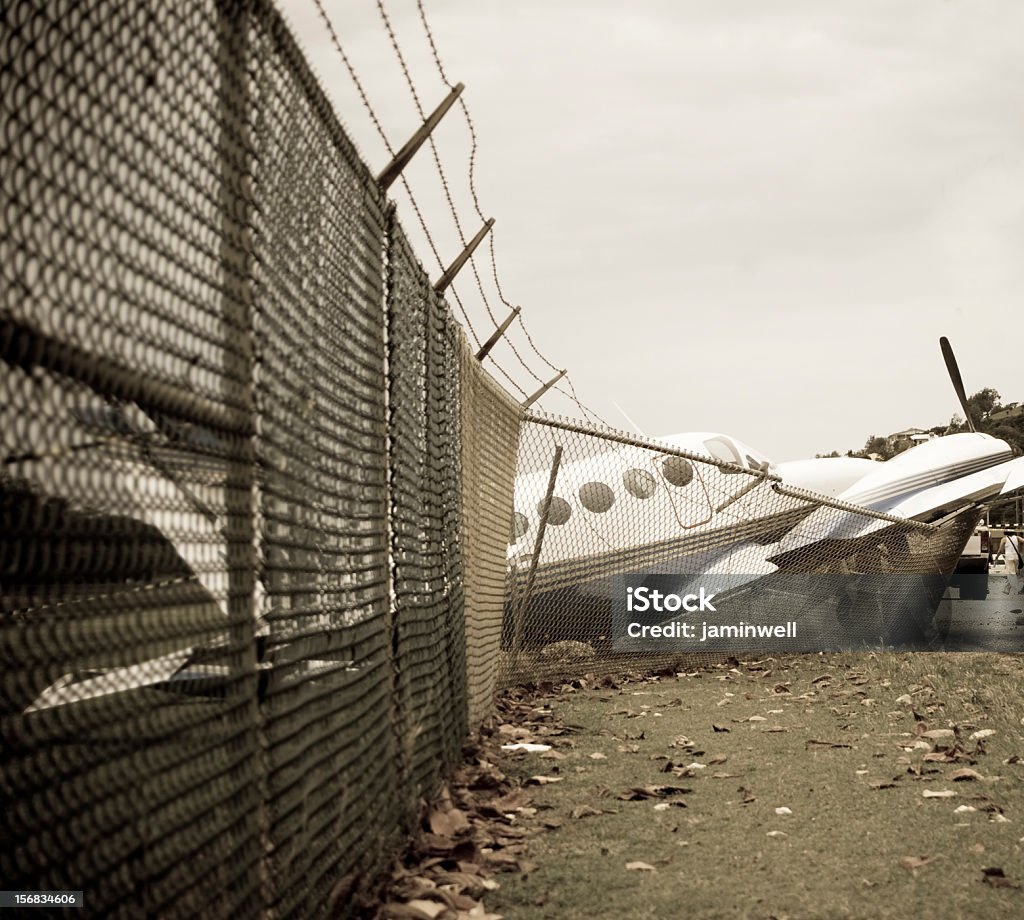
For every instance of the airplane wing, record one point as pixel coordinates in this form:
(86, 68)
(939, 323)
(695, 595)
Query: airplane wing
(68, 689)
(1015, 479)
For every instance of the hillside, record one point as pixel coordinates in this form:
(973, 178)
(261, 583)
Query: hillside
(989, 413)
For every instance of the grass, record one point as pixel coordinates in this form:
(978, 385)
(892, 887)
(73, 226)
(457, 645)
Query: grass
(839, 853)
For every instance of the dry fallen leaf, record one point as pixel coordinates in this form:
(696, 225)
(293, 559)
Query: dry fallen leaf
(503, 861)
(914, 862)
(937, 733)
(636, 793)
(544, 780)
(982, 733)
(597, 755)
(881, 784)
(585, 811)
(941, 794)
(996, 877)
(964, 774)
(640, 867)
(448, 823)
(511, 802)
(717, 758)
(429, 909)
(478, 913)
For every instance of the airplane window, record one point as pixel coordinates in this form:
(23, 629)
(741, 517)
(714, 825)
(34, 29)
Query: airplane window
(596, 497)
(677, 470)
(559, 512)
(639, 483)
(721, 449)
(520, 524)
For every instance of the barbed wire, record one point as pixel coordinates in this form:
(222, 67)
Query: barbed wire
(364, 97)
(336, 42)
(436, 54)
(448, 196)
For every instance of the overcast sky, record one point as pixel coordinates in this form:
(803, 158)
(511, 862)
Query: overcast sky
(748, 217)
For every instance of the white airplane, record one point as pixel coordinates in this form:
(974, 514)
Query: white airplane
(724, 509)
(626, 507)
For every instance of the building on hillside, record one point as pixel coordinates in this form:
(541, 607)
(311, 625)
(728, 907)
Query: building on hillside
(1014, 410)
(901, 440)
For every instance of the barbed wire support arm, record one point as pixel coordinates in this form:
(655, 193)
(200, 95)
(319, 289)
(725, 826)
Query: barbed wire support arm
(401, 159)
(538, 545)
(498, 333)
(441, 285)
(547, 386)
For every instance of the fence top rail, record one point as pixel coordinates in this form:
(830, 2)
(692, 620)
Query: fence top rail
(619, 437)
(825, 501)
(778, 485)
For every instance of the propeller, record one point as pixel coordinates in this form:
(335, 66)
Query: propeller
(954, 375)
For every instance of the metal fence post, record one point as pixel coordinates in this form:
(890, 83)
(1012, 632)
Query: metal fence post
(538, 545)
(236, 153)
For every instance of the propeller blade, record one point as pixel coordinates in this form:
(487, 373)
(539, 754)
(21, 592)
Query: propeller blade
(954, 375)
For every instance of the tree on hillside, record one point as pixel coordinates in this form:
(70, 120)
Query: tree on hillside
(956, 424)
(874, 445)
(982, 404)
(1010, 430)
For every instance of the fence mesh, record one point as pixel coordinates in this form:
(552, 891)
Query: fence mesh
(128, 636)
(490, 421)
(622, 505)
(429, 637)
(318, 231)
(232, 629)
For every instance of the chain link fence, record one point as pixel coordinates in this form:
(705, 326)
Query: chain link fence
(234, 576)
(270, 539)
(593, 505)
